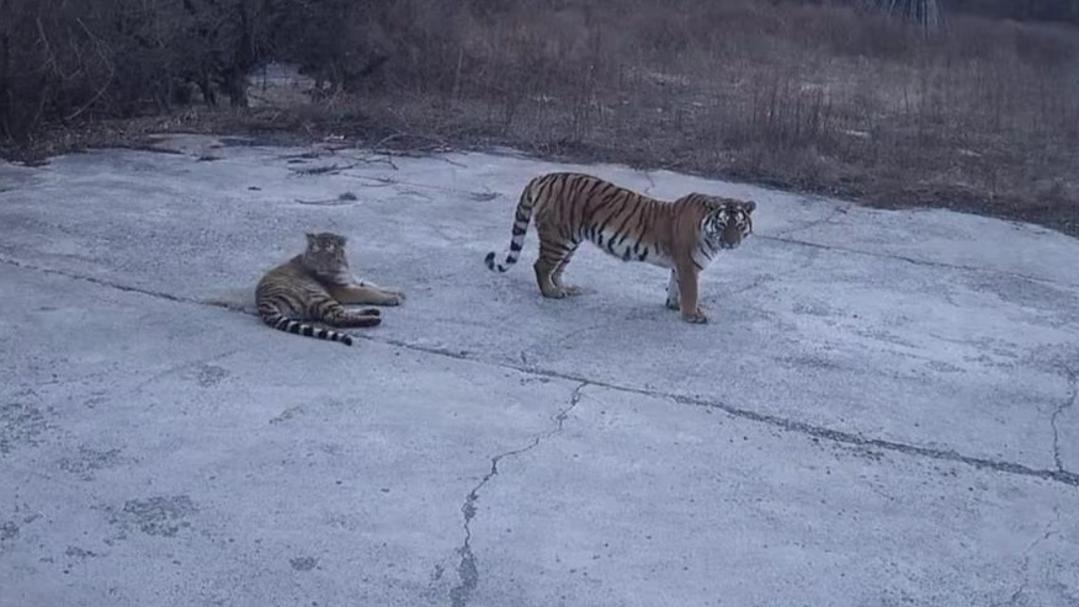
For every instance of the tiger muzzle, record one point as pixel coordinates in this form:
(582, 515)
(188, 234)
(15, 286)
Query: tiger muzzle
(732, 236)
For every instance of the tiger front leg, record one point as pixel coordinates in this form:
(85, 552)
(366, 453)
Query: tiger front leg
(356, 294)
(687, 294)
(386, 292)
(673, 298)
(340, 316)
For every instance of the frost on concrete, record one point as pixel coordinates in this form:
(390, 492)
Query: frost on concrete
(883, 403)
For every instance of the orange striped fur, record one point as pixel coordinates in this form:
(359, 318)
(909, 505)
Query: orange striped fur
(316, 286)
(683, 235)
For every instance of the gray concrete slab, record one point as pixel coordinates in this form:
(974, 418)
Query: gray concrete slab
(152, 457)
(881, 412)
(688, 506)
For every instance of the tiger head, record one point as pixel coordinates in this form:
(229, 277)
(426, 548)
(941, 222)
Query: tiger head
(729, 222)
(325, 253)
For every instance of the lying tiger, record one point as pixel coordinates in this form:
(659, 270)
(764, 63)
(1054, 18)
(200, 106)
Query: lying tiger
(683, 235)
(316, 285)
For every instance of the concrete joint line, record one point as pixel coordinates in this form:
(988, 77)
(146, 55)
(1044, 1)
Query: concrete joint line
(913, 260)
(468, 568)
(838, 210)
(106, 283)
(850, 438)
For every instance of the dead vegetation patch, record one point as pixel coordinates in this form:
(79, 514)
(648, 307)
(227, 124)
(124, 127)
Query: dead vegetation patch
(821, 97)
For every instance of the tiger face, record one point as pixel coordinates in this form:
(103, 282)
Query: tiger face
(730, 223)
(325, 253)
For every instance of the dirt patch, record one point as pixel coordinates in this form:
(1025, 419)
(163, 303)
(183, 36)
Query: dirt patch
(22, 424)
(160, 515)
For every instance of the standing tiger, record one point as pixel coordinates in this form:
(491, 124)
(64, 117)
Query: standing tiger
(316, 285)
(683, 235)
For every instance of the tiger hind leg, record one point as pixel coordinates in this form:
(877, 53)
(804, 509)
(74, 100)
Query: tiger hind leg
(554, 255)
(556, 276)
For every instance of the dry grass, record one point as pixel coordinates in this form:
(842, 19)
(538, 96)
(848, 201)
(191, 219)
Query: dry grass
(821, 98)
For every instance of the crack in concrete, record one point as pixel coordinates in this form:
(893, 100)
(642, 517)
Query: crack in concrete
(795, 426)
(468, 569)
(381, 181)
(1025, 567)
(112, 285)
(915, 261)
(764, 279)
(1067, 403)
(838, 210)
(798, 427)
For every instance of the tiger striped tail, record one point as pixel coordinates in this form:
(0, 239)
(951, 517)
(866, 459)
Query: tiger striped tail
(520, 226)
(274, 318)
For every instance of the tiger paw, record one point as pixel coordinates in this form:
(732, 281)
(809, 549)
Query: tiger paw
(369, 312)
(697, 318)
(571, 291)
(673, 304)
(360, 320)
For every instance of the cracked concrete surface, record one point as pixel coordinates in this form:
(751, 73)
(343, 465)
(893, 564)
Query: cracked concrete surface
(881, 412)
(468, 569)
(1067, 404)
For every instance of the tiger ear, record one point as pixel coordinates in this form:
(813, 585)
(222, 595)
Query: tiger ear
(750, 206)
(311, 237)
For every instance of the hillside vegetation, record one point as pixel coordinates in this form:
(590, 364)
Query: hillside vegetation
(826, 97)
